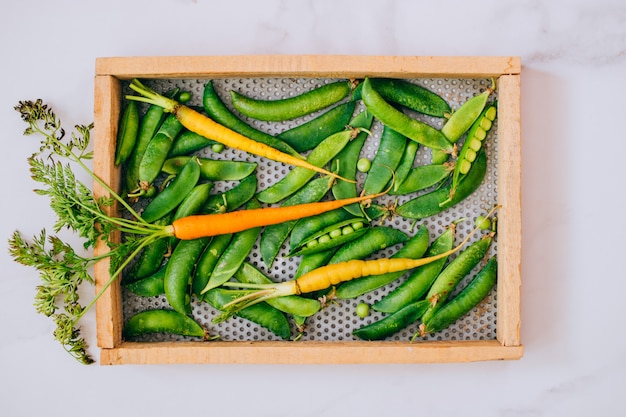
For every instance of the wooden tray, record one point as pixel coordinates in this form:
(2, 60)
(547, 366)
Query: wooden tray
(110, 72)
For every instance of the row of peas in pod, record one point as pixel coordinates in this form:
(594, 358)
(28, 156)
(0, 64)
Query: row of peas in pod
(174, 169)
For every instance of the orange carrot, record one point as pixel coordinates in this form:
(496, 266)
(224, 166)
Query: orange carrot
(193, 227)
(203, 125)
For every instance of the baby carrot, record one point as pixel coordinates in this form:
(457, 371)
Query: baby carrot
(192, 227)
(203, 125)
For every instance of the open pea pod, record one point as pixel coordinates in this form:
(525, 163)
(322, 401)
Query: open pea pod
(332, 236)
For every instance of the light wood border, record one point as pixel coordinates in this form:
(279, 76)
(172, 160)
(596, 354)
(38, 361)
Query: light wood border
(111, 71)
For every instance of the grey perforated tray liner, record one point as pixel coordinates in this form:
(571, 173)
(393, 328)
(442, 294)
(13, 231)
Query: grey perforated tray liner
(337, 320)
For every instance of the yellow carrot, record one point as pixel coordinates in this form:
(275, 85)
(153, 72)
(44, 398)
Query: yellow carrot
(203, 125)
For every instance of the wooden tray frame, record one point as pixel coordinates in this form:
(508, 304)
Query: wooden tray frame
(111, 71)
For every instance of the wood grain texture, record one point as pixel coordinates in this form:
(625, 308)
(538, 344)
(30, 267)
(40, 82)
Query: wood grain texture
(332, 66)
(307, 352)
(106, 114)
(510, 215)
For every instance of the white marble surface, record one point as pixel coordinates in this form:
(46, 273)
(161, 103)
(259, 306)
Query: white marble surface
(574, 69)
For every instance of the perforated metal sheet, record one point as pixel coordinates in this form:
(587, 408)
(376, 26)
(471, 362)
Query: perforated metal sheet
(337, 321)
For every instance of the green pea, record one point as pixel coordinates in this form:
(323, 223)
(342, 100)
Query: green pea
(411, 96)
(463, 302)
(436, 201)
(291, 107)
(184, 97)
(362, 310)
(323, 239)
(127, 134)
(483, 223)
(338, 232)
(386, 160)
(212, 169)
(308, 135)
(458, 268)
(363, 164)
(298, 176)
(393, 323)
(401, 123)
(168, 199)
(162, 321)
(412, 248)
(235, 254)
(420, 279)
(217, 147)
(217, 110)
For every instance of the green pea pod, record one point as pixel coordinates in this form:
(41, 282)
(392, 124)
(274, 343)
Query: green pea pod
(194, 201)
(162, 321)
(393, 323)
(168, 199)
(157, 150)
(212, 169)
(298, 176)
(151, 285)
(463, 302)
(420, 279)
(292, 304)
(332, 236)
(233, 198)
(472, 145)
(452, 274)
(312, 261)
(461, 120)
(217, 110)
(386, 160)
(274, 236)
(262, 313)
(432, 203)
(307, 227)
(346, 161)
(127, 134)
(291, 107)
(150, 123)
(406, 164)
(308, 135)
(375, 239)
(179, 273)
(151, 257)
(411, 96)
(422, 177)
(234, 255)
(401, 123)
(188, 142)
(414, 248)
(206, 264)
